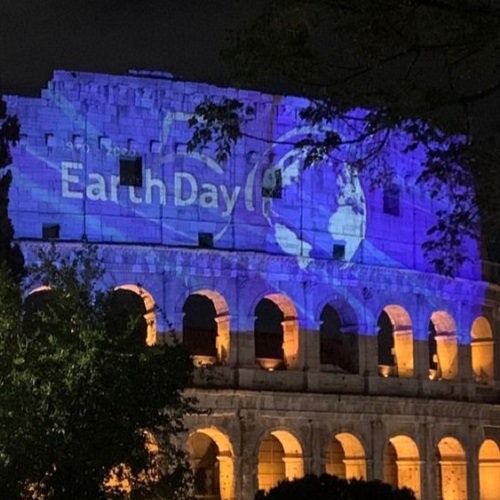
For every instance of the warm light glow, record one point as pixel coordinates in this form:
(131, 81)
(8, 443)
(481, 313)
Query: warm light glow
(280, 457)
(446, 345)
(452, 469)
(489, 471)
(211, 456)
(482, 350)
(345, 457)
(402, 464)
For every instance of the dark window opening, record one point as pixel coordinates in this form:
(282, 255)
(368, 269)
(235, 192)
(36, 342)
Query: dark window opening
(125, 317)
(268, 330)
(206, 471)
(50, 231)
(199, 329)
(338, 251)
(205, 240)
(391, 199)
(385, 340)
(131, 172)
(336, 348)
(272, 183)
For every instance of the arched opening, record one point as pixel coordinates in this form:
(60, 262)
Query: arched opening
(443, 347)
(402, 464)
(132, 309)
(395, 342)
(280, 457)
(37, 306)
(345, 457)
(276, 333)
(338, 342)
(205, 327)
(482, 350)
(452, 470)
(489, 470)
(212, 461)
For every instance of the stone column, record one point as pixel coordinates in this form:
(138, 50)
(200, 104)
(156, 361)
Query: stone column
(294, 467)
(409, 475)
(226, 477)
(447, 352)
(291, 342)
(403, 348)
(454, 479)
(223, 341)
(355, 467)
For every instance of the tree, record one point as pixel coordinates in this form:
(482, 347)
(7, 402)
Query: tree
(426, 69)
(85, 412)
(10, 253)
(326, 487)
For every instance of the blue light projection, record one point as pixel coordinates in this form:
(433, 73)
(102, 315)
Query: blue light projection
(262, 200)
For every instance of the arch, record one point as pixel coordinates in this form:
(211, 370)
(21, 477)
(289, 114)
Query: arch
(489, 470)
(452, 469)
(443, 346)
(276, 332)
(482, 350)
(280, 457)
(345, 457)
(212, 459)
(338, 340)
(148, 311)
(395, 342)
(402, 464)
(206, 330)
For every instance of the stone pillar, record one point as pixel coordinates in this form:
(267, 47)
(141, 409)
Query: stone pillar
(482, 360)
(223, 341)
(430, 467)
(294, 467)
(489, 480)
(447, 352)
(454, 479)
(409, 475)
(291, 342)
(355, 468)
(378, 444)
(226, 477)
(403, 348)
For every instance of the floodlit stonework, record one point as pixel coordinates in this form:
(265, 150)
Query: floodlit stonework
(322, 339)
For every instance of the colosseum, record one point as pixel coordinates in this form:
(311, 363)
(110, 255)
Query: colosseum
(322, 338)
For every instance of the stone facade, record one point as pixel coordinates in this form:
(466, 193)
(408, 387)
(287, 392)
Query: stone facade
(327, 342)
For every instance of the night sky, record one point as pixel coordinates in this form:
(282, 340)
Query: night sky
(183, 37)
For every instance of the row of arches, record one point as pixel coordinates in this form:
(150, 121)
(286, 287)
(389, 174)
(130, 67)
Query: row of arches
(206, 333)
(279, 456)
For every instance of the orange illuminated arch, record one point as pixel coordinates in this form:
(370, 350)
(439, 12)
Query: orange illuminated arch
(443, 346)
(280, 457)
(212, 459)
(206, 327)
(395, 342)
(276, 332)
(489, 470)
(345, 457)
(452, 469)
(482, 350)
(402, 464)
(149, 310)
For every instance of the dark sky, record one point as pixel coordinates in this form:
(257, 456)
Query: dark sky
(112, 36)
